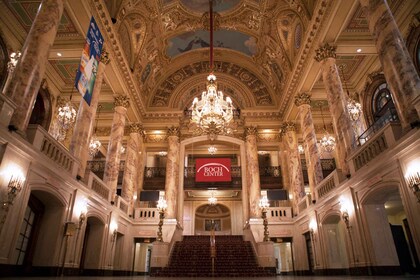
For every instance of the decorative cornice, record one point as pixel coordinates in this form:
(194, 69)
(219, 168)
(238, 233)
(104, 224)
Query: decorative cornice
(303, 98)
(250, 130)
(321, 11)
(121, 100)
(325, 51)
(173, 131)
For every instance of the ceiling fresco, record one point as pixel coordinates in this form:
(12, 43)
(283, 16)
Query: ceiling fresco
(203, 5)
(234, 40)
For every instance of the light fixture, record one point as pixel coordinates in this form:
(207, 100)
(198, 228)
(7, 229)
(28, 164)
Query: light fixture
(212, 114)
(212, 200)
(353, 107)
(359, 50)
(15, 184)
(264, 204)
(212, 150)
(300, 149)
(163, 153)
(66, 118)
(59, 54)
(94, 143)
(413, 178)
(82, 216)
(122, 149)
(13, 60)
(113, 226)
(345, 206)
(161, 207)
(327, 141)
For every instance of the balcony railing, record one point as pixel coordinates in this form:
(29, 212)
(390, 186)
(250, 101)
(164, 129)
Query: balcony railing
(390, 115)
(47, 145)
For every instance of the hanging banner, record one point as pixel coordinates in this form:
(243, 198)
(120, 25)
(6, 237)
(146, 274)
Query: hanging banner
(91, 55)
(212, 170)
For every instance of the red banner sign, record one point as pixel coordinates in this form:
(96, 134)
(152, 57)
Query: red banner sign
(212, 170)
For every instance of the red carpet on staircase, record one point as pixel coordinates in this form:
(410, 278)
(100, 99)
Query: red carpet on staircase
(234, 258)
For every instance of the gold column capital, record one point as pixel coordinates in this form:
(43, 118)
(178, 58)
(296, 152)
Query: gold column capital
(121, 100)
(105, 57)
(303, 98)
(250, 130)
(174, 131)
(286, 127)
(325, 51)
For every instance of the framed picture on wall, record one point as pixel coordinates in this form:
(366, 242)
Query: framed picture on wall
(216, 223)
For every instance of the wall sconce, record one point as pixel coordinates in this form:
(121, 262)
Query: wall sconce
(346, 218)
(312, 228)
(413, 178)
(15, 183)
(264, 204)
(114, 229)
(82, 216)
(161, 207)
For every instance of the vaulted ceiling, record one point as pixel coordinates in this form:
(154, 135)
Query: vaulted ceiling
(264, 52)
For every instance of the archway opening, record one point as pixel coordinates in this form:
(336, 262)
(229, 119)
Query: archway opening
(334, 235)
(217, 216)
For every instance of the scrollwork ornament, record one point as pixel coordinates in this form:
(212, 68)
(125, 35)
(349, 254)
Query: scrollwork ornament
(105, 57)
(303, 98)
(324, 52)
(136, 128)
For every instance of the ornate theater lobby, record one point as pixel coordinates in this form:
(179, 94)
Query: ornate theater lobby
(182, 139)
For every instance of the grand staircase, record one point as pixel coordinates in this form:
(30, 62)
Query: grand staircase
(191, 257)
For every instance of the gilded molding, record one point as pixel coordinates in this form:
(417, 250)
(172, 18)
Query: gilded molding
(325, 51)
(303, 98)
(121, 100)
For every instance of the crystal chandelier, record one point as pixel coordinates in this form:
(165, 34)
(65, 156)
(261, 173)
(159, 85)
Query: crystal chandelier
(212, 200)
(327, 141)
(354, 108)
(13, 60)
(212, 113)
(94, 143)
(212, 150)
(66, 118)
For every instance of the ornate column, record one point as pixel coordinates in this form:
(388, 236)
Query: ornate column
(131, 168)
(27, 77)
(112, 164)
(172, 172)
(337, 101)
(85, 121)
(252, 171)
(313, 161)
(295, 168)
(140, 164)
(396, 62)
(284, 165)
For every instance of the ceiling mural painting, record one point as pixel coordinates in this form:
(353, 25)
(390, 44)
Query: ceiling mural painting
(203, 5)
(234, 40)
(262, 96)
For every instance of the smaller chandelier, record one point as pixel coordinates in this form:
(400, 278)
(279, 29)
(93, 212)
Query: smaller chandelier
(94, 146)
(14, 58)
(212, 200)
(301, 149)
(163, 153)
(66, 116)
(355, 109)
(327, 141)
(212, 150)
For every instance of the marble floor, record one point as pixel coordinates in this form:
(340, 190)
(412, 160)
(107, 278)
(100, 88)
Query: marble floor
(253, 278)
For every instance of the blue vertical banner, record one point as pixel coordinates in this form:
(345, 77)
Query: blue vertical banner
(91, 55)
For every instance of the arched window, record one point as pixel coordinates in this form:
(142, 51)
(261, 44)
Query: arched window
(381, 98)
